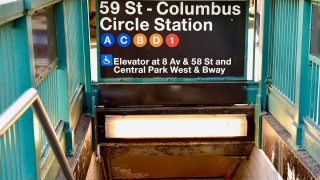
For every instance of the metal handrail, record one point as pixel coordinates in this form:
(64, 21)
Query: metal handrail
(14, 112)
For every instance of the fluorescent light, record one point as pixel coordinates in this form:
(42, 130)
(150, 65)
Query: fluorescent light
(175, 126)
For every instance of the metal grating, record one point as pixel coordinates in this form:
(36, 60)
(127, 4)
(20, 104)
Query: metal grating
(48, 92)
(283, 34)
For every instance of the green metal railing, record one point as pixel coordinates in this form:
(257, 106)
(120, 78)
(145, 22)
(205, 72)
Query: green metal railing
(293, 74)
(16, 110)
(314, 97)
(313, 83)
(47, 91)
(24, 143)
(283, 34)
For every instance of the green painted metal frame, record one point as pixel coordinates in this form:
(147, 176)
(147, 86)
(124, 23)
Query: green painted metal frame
(27, 138)
(261, 98)
(293, 115)
(87, 67)
(310, 130)
(52, 80)
(283, 46)
(282, 103)
(163, 80)
(302, 66)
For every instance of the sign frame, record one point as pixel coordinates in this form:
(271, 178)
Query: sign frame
(174, 79)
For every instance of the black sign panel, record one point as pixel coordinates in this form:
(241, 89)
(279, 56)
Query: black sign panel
(169, 39)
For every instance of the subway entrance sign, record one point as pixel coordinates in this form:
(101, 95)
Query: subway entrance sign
(172, 39)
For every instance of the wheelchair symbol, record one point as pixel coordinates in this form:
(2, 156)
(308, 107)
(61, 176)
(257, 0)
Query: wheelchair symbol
(106, 60)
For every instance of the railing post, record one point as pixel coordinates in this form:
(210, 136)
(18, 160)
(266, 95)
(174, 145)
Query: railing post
(265, 54)
(69, 138)
(86, 49)
(261, 99)
(303, 81)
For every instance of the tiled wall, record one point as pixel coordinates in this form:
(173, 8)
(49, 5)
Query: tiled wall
(256, 167)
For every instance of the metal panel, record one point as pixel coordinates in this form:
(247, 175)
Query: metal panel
(18, 144)
(172, 94)
(75, 45)
(283, 34)
(9, 147)
(48, 92)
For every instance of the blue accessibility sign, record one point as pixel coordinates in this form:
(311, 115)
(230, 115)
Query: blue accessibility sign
(106, 60)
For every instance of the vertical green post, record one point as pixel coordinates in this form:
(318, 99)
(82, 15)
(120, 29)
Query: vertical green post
(261, 100)
(86, 48)
(28, 133)
(69, 139)
(303, 82)
(265, 55)
(62, 65)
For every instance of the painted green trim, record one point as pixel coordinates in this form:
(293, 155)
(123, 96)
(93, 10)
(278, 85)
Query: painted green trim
(265, 54)
(87, 67)
(98, 39)
(252, 91)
